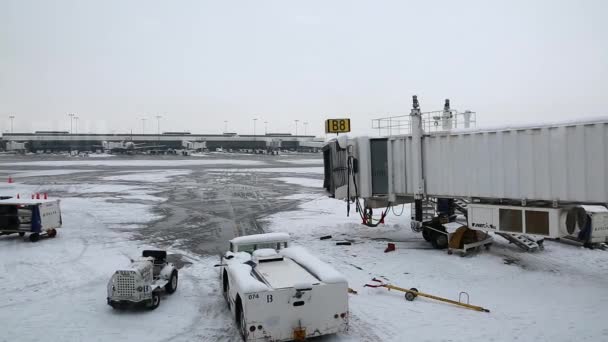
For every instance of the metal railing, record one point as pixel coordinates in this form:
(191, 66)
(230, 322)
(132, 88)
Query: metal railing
(437, 121)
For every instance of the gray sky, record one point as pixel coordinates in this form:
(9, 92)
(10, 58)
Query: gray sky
(198, 63)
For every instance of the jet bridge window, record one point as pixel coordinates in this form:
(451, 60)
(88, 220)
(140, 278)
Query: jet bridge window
(511, 220)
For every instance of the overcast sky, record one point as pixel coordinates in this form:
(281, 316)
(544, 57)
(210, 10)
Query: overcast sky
(199, 63)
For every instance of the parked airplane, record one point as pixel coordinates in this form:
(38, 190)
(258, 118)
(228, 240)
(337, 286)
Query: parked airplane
(128, 147)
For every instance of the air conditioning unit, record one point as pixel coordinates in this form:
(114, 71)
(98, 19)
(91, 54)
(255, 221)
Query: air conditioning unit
(588, 223)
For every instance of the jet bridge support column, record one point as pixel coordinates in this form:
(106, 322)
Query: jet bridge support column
(418, 182)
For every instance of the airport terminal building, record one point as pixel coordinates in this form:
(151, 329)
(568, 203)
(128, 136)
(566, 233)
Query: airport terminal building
(57, 141)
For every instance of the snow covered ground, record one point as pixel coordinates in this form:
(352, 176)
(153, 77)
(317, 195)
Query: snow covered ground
(559, 294)
(55, 289)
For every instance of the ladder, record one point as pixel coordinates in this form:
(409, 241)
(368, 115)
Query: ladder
(524, 242)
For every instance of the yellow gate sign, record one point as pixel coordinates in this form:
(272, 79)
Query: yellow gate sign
(337, 125)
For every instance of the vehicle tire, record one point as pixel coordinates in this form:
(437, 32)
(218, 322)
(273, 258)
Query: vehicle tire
(226, 287)
(21, 234)
(155, 300)
(426, 234)
(411, 296)
(241, 321)
(52, 233)
(172, 284)
(439, 240)
(34, 237)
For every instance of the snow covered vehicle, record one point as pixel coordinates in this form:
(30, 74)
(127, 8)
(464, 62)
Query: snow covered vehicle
(143, 281)
(281, 293)
(38, 217)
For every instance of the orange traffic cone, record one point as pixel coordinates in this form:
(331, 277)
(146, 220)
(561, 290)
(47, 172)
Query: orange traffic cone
(10, 179)
(45, 196)
(18, 196)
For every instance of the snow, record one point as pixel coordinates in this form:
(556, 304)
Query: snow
(151, 176)
(55, 289)
(321, 270)
(260, 238)
(241, 275)
(309, 182)
(318, 161)
(558, 294)
(25, 201)
(39, 173)
(137, 162)
(265, 253)
(308, 170)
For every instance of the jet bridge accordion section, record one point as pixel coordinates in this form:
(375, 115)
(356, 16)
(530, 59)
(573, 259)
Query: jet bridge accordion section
(564, 163)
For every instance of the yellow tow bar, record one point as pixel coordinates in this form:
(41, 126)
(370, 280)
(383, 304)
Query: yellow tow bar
(412, 293)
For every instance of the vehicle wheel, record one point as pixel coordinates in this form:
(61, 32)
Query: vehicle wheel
(409, 296)
(226, 287)
(426, 234)
(52, 233)
(21, 233)
(242, 324)
(34, 237)
(172, 284)
(115, 306)
(439, 241)
(155, 300)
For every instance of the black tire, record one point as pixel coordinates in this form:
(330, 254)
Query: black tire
(226, 287)
(22, 234)
(439, 240)
(172, 284)
(409, 296)
(155, 300)
(34, 237)
(426, 234)
(240, 319)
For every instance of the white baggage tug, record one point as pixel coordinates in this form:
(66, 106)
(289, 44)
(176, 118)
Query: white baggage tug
(281, 293)
(38, 217)
(142, 282)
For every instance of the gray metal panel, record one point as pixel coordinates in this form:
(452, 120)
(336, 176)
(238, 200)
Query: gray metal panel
(565, 163)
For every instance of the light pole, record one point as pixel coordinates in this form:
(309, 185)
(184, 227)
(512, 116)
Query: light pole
(225, 126)
(265, 127)
(143, 125)
(158, 126)
(305, 127)
(76, 118)
(254, 121)
(71, 115)
(12, 117)
(297, 126)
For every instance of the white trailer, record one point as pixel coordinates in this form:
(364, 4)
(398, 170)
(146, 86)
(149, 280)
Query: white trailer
(38, 217)
(281, 293)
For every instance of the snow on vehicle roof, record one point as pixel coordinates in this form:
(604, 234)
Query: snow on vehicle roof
(260, 238)
(26, 201)
(265, 252)
(321, 270)
(241, 274)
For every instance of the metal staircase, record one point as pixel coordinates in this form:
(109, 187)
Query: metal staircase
(524, 242)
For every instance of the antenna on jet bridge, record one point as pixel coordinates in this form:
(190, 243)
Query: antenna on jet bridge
(415, 102)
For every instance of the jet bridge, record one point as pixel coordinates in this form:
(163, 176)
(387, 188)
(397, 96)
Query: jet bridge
(531, 179)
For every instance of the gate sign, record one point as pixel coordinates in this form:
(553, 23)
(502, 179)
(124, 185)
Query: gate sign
(337, 125)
